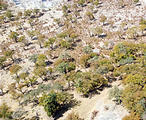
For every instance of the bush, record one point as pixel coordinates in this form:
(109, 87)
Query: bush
(66, 67)
(103, 18)
(136, 79)
(87, 59)
(132, 116)
(87, 49)
(73, 116)
(27, 13)
(9, 14)
(14, 36)
(132, 96)
(41, 58)
(88, 82)
(103, 66)
(136, 1)
(40, 71)
(55, 101)
(65, 44)
(3, 5)
(125, 53)
(2, 60)
(5, 111)
(90, 15)
(115, 93)
(14, 69)
(81, 2)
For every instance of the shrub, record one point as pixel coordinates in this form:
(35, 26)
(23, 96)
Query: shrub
(65, 44)
(136, 1)
(116, 94)
(21, 39)
(33, 58)
(5, 111)
(73, 116)
(66, 67)
(40, 72)
(2, 60)
(3, 5)
(136, 79)
(103, 66)
(41, 58)
(50, 42)
(15, 69)
(14, 36)
(132, 33)
(27, 13)
(125, 53)
(81, 2)
(54, 102)
(103, 18)
(87, 49)
(90, 15)
(88, 82)
(87, 59)
(9, 14)
(96, 2)
(64, 8)
(131, 97)
(132, 116)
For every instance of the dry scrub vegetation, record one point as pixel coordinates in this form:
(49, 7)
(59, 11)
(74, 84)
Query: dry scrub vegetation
(84, 50)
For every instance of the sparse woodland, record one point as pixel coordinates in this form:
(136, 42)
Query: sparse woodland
(85, 51)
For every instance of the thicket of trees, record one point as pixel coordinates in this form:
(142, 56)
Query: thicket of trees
(131, 62)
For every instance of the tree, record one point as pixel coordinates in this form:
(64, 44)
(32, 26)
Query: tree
(55, 101)
(88, 82)
(14, 36)
(50, 103)
(5, 112)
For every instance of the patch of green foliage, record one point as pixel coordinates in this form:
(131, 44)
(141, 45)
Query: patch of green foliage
(55, 101)
(5, 112)
(87, 82)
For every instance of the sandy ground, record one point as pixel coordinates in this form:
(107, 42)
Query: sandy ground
(98, 103)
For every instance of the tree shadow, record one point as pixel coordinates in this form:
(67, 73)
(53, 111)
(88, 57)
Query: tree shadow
(65, 108)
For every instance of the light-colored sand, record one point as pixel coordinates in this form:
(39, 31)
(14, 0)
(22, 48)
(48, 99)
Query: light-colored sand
(98, 103)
